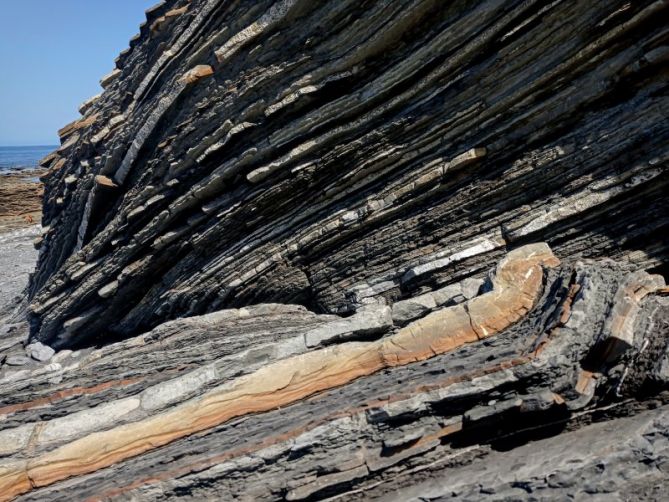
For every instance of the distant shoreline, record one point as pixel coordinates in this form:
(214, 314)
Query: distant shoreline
(21, 195)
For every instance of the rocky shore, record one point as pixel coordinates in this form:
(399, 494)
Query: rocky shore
(300, 250)
(20, 215)
(17, 261)
(21, 194)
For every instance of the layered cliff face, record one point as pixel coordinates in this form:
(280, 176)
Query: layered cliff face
(334, 154)
(299, 250)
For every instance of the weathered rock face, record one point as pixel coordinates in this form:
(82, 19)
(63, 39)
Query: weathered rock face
(334, 154)
(274, 402)
(295, 250)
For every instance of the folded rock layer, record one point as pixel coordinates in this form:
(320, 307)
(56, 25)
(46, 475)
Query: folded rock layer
(401, 250)
(244, 403)
(334, 154)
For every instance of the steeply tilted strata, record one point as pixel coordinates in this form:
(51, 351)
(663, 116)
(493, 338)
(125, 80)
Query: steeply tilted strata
(340, 153)
(298, 250)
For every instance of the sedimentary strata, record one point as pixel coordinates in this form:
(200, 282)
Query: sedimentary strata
(275, 402)
(301, 250)
(335, 154)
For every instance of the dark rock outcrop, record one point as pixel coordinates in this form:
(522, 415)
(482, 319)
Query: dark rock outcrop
(335, 154)
(399, 250)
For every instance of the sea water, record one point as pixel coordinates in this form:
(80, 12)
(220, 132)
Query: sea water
(22, 157)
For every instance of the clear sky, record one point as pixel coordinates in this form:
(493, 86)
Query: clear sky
(52, 56)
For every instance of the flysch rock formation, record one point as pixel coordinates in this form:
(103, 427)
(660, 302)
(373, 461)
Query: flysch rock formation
(334, 154)
(405, 250)
(274, 402)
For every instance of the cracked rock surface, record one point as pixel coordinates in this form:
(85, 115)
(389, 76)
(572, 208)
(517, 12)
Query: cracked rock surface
(303, 250)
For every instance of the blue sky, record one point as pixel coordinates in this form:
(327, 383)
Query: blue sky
(52, 56)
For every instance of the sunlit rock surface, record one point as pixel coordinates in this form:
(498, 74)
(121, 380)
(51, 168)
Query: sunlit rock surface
(406, 250)
(334, 154)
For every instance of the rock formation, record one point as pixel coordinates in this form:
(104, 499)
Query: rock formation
(378, 150)
(274, 402)
(299, 250)
(20, 199)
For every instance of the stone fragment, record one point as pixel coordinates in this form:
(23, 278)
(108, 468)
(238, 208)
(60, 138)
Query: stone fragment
(109, 290)
(109, 79)
(419, 306)
(16, 360)
(100, 135)
(541, 401)
(88, 104)
(399, 437)
(196, 73)
(471, 287)
(367, 322)
(116, 120)
(39, 352)
(491, 411)
(413, 308)
(466, 158)
(46, 161)
(69, 129)
(105, 182)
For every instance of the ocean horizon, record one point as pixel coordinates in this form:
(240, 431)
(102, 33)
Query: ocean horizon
(23, 157)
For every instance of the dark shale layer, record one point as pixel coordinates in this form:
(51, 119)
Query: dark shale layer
(407, 250)
(337, 153)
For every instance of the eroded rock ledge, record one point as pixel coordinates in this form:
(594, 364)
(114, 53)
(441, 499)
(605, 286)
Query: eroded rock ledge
(335, 154)
(274, 402)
